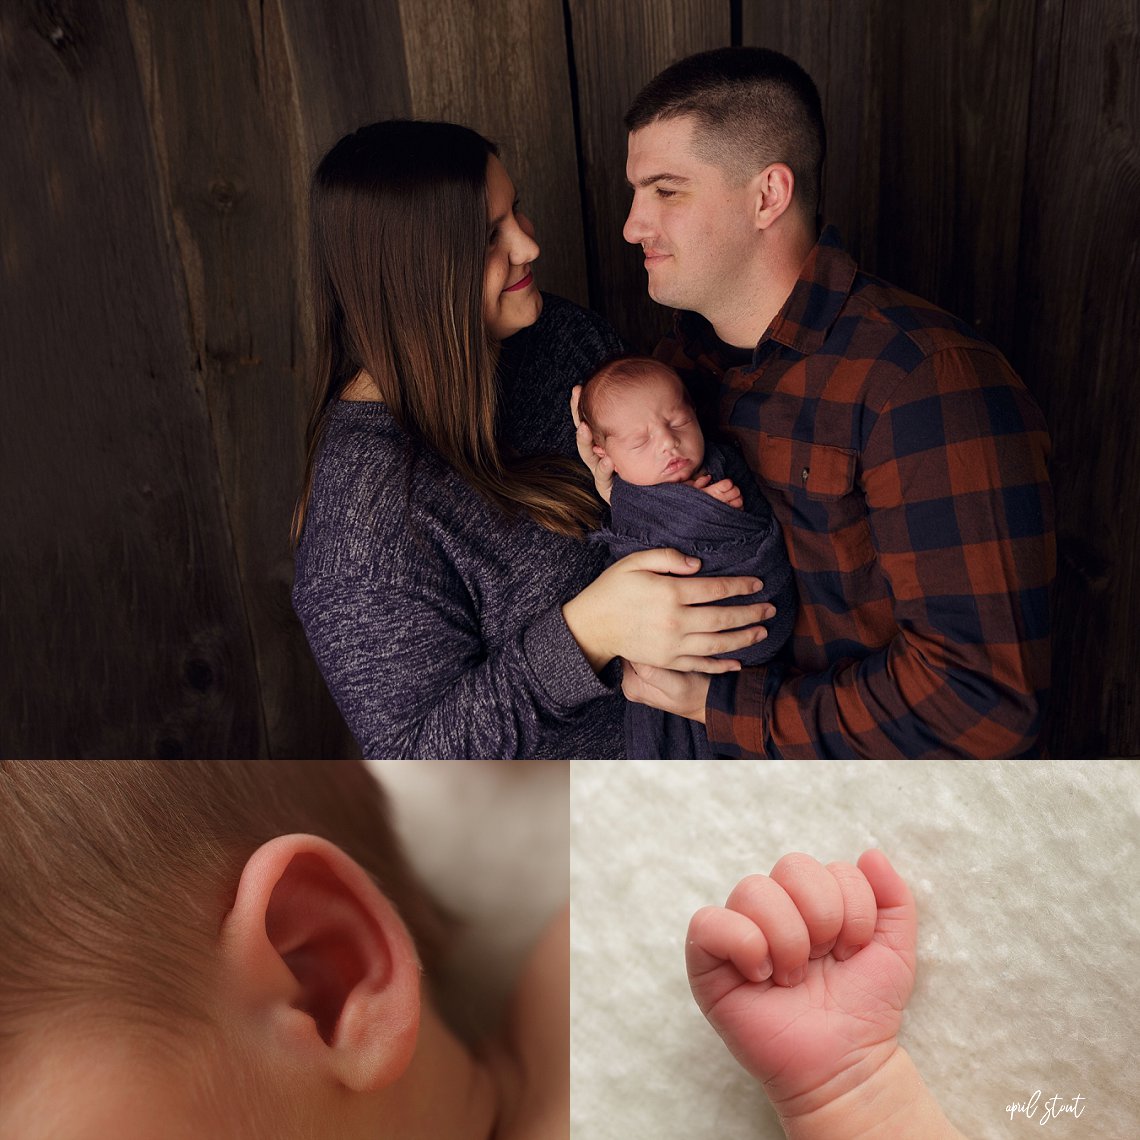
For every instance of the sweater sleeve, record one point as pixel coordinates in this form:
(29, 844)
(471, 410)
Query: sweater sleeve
(413, 678)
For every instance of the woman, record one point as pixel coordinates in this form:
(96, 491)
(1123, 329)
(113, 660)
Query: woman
(442, 577)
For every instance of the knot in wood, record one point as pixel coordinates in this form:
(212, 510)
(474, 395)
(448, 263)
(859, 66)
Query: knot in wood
(224, 194)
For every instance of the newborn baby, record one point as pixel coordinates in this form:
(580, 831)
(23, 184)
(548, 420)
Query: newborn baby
(673, 489)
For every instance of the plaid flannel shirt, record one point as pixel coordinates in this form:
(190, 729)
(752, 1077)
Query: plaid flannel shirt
(906, 463)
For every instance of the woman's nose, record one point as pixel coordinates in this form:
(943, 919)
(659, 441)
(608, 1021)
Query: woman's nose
(524, 248)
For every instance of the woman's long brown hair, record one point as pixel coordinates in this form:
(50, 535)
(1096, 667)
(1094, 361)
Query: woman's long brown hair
(398, 226)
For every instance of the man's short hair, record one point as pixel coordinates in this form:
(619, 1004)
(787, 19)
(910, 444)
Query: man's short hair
(753, 107)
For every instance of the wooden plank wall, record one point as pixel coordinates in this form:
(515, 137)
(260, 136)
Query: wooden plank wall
(156, 334)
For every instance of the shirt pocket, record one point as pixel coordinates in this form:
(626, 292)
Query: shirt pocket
(817, 471)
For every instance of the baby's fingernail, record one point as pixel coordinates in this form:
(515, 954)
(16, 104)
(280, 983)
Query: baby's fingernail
(764, 970)
(842, 953)
(796, 976)
(821, 949)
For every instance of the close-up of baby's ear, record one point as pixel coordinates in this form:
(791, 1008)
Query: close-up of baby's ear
(314, 943)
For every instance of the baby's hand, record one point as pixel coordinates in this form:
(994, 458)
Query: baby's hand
(725, 491)
(805, 974)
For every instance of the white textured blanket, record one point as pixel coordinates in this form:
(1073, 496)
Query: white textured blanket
(491, 839)
(1025, 874)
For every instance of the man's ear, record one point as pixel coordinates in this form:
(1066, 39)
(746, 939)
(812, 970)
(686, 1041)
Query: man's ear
(774, 187)
(320, 957)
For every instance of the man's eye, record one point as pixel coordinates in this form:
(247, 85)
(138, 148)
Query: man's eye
(663, 193)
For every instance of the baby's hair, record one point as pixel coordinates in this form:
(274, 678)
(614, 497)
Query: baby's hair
(117, 876)
(620, 373)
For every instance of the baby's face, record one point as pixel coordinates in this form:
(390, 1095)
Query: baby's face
(653, 434)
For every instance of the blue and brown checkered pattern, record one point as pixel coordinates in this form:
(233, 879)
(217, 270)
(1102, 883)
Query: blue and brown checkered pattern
(907, 465)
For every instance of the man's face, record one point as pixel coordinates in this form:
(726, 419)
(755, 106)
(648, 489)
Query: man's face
(653, 435)
(695, 226)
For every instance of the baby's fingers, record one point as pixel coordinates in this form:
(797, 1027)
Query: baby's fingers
(859, 910)
(817, 896)
(717, 935)
(897, 923)
(771, 908)
(722, 949)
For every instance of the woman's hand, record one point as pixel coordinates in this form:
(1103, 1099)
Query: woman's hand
(600, 466)
(638, 609)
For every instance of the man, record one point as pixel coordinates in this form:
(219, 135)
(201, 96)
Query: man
(904, 459)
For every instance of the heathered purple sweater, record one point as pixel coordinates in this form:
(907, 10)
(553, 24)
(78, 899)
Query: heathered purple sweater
(436, 621)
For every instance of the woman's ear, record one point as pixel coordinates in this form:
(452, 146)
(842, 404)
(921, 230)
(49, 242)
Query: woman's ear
(319, 956)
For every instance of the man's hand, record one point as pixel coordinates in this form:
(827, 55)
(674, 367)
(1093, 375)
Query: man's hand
(600, 466)
(683, 694)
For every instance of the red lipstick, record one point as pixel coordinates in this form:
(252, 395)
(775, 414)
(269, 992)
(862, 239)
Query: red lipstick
(522, 284)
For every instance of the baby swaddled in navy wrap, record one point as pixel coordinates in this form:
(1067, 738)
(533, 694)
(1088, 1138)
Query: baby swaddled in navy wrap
(729, 541)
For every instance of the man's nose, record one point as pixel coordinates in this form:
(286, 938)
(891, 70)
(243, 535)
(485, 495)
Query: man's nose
(636, 228)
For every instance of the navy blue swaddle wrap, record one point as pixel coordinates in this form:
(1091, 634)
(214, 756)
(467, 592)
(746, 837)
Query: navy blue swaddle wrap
(728, 541)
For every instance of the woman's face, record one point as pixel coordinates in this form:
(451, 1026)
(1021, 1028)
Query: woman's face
(511, 299)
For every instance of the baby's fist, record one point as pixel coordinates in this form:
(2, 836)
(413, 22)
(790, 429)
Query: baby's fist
(805, 973)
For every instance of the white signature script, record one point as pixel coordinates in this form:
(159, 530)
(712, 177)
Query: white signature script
(1055, 1106)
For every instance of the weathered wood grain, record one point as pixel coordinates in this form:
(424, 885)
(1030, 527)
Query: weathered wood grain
(232, 204)
(500, 67)
(835, 41)
(124, 630)
(618, 48)
(1078, 316)
(952, 157)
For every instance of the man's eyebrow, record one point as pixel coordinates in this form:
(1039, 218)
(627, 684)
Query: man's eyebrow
(663, 177)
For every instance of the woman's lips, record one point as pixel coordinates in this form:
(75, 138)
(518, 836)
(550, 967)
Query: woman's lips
(520, 284)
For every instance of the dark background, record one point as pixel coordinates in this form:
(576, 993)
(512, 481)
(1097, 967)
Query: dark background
(155, 339)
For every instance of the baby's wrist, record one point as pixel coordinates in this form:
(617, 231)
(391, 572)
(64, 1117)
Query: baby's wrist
(881, 1097)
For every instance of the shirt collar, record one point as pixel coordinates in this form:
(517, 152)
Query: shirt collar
(812, 307)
